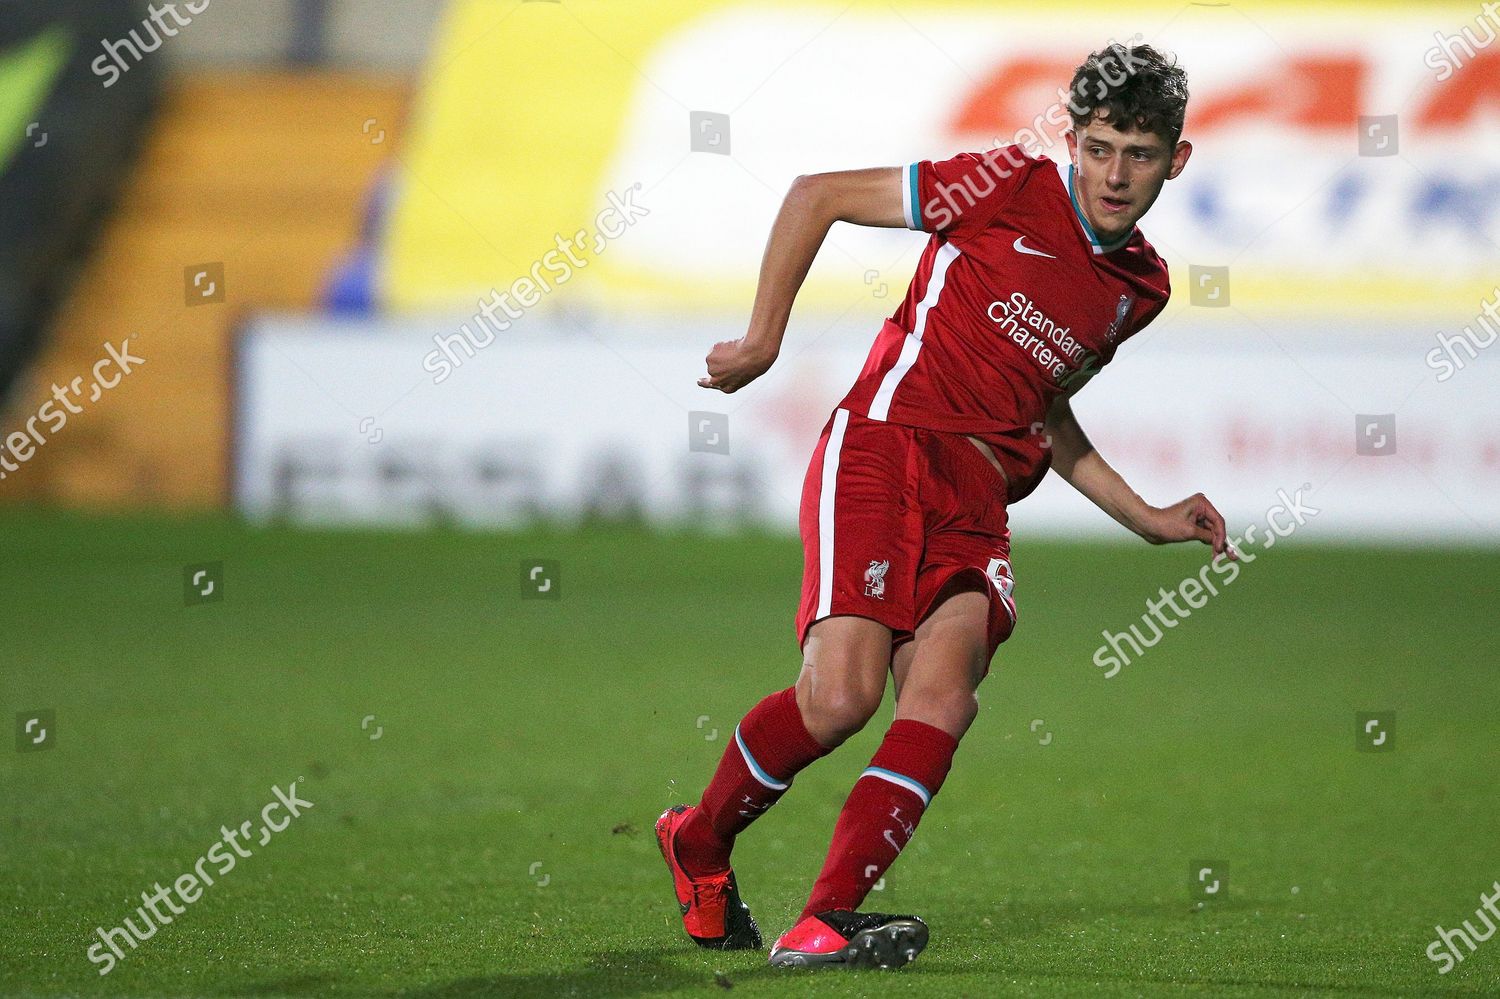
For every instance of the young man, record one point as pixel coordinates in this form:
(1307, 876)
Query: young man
(1032, 277)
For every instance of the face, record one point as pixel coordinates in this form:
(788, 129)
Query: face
(1117, 175)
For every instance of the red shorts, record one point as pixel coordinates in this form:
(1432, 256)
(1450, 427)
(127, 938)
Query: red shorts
(890, 514)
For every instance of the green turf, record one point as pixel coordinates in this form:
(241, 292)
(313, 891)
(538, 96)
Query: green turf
(516, 733)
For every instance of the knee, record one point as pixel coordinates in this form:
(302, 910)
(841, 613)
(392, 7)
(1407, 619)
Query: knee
(836, 704)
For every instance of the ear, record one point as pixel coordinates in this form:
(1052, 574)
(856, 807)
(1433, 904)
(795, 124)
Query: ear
(1072, 137)
(1180, 156)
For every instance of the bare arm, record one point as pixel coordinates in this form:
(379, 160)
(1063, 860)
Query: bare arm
(865, 197)
(1076, 460)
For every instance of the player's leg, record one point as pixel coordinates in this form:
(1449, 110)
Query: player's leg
(944, 693)
(843, 675)
(964, 611)
(851, 521)
(937, 674)
(936, 703)
(844, 623)
(845, 661)
(844, 666)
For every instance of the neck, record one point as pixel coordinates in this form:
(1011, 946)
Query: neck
(1102, 242)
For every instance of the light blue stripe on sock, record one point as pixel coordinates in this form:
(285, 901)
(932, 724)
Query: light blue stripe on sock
(900, 781)
(755, 768)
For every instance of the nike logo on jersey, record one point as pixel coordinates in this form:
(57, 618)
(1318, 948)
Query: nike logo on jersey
(1021, 247)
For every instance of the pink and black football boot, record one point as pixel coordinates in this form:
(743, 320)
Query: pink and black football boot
(852, 939)
(712, 912)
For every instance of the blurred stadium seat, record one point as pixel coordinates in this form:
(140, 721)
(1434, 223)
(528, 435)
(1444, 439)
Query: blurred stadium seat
(264, 171)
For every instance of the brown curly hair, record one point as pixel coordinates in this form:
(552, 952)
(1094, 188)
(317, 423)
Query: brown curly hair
(1130, 85)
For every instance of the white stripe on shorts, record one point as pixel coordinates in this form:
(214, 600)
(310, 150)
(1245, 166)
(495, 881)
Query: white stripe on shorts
(825, 512)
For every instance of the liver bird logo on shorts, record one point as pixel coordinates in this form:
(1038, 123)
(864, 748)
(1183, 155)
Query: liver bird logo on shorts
(875, 579)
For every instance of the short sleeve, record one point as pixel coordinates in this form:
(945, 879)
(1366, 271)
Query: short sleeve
(963, 194)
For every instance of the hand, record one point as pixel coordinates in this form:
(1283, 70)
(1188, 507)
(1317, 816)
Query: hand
(733, 364)
(1194, 519)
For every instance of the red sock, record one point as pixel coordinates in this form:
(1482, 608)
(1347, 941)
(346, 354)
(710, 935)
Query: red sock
(882, 813)
(770, 747)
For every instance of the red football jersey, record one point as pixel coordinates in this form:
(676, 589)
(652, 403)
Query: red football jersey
(1014, 301)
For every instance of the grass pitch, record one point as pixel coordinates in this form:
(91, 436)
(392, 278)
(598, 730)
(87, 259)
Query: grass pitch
(495, 838)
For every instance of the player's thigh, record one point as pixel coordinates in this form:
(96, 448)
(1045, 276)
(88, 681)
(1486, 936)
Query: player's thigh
(844, 664)
(964, 604)
(938, 672)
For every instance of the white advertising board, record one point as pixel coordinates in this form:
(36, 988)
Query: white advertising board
(341, 424)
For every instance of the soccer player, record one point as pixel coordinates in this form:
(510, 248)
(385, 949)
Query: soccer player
(1033, 275)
